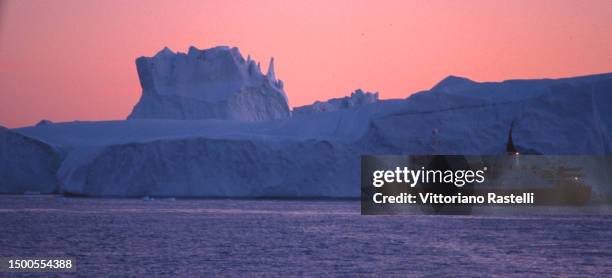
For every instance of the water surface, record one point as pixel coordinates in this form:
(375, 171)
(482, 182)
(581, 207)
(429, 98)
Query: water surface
(269, 237)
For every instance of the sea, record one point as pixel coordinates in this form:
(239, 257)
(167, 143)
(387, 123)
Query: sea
(245, 238)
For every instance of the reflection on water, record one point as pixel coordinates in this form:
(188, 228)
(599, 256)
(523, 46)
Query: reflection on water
(234, 237)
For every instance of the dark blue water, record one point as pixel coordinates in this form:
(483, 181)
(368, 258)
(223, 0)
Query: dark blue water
(240, 237)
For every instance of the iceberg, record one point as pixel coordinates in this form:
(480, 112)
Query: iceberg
(216, 83)
(256, 149)
(459, 116)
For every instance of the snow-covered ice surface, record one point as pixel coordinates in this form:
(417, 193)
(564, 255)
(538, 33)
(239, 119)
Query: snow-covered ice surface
(189, 238)
(317, 154)
(358, 97)
(216, 83)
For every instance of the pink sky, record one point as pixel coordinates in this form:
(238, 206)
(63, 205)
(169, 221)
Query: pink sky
(74, 60)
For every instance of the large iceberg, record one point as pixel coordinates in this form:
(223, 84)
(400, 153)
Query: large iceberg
(216, 83)
(460, 116)
(310, 155)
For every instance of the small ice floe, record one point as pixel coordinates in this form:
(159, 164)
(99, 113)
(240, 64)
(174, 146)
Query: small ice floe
(147, 198)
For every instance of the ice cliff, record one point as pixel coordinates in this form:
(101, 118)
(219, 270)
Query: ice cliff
(310, 155)
(359, 97)
(27, 164)
(216, 83)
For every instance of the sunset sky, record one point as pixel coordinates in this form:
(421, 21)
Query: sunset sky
(74, 60)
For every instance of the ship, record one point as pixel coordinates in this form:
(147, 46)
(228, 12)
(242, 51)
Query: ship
(564, 186)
